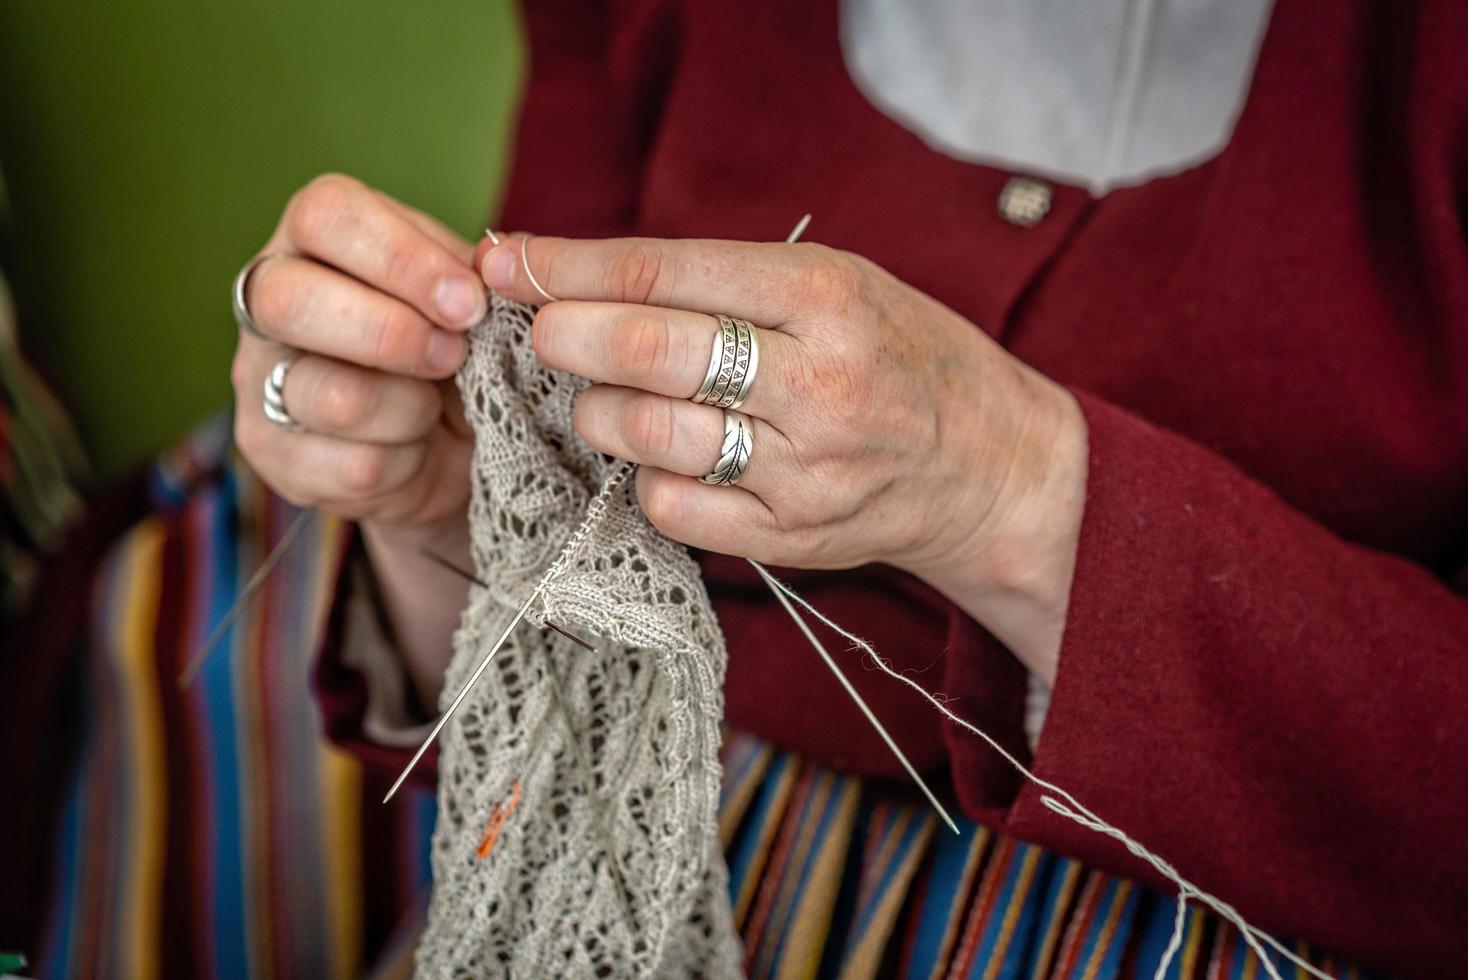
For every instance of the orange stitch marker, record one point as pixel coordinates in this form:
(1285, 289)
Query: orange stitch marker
(497, 819)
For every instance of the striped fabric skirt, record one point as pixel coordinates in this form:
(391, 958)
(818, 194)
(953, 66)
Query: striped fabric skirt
(212, 832)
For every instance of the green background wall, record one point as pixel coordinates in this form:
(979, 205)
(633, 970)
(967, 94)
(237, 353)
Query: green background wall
(148, 147)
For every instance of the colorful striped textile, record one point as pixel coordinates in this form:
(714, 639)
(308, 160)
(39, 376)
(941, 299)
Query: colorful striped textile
(832, 878)
(213, 832)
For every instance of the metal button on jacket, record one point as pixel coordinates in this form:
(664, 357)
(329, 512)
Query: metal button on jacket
(1025, 201)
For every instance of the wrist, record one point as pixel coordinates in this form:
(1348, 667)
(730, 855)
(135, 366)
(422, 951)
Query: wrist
(1013, 556)
(423, 600)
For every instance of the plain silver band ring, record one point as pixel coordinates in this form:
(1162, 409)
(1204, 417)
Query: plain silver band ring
(734, 454)
(274, 400)
(237, 295)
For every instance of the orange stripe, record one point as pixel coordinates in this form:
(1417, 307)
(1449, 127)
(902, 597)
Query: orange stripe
(770, 878)
(142, 910)
(1048, 944)
(805, 938)
(983, 905)
(1017, 901)
(788, 883)
(769, 830)
(1108, 929)
(1080, 924)
(1192, 942)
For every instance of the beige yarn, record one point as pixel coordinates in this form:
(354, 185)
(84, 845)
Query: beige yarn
(609, 864)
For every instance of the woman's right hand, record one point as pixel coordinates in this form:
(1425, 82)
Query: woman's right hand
(379, 297)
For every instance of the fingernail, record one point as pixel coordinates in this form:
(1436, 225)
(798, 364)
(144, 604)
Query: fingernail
(499, 268)
(460, 301)
(445, 350)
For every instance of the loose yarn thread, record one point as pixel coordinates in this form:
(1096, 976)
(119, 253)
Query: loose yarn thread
(1072, 809)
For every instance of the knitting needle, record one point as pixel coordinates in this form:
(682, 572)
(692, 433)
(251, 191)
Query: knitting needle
(851, 690)
(443, 719)
(243, 602)
(468, 577)
(871, 717)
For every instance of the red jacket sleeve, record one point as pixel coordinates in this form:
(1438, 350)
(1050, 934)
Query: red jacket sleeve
(1281, 714)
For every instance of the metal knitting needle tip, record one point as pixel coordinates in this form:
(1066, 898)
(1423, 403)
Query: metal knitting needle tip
(851, 690)
(243, 602)
(495, 239)
(800, 228)
(469, 576)
(463, 693)
(570, 636)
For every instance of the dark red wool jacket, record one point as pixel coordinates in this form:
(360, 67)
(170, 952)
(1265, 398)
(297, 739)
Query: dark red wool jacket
(1264, 675)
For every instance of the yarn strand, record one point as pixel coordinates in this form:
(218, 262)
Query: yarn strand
(1066, 805)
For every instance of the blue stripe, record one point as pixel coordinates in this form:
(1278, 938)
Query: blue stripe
(940, 899)
(64, 930)
(910, 836)
(228, 845)
(1022, 938)
(424, 813)
(1156, 920)
(828, 814)
(747, 845)
(1110, 962)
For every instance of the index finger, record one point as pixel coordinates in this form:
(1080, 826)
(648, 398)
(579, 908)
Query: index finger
(767, 284)
(344, 224)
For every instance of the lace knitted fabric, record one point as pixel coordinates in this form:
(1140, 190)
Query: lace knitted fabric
(602, 768)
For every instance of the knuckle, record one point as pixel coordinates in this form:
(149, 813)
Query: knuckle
(320, 207)
(641, 346)
(342, 400)
(647, 425)
(832, 281)
(543, 331)
(361, 469)
(636, 272)
(394, 339)
(400, 261)
(662, 503)
(839, 383)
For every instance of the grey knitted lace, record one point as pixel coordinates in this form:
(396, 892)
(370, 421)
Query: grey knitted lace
(608, 864)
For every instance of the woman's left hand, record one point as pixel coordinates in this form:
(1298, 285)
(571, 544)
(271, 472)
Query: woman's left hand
(886, 428)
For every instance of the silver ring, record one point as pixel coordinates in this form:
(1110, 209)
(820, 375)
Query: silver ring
(274, 402)
(733, 364)
(237, 295)
(735, 453)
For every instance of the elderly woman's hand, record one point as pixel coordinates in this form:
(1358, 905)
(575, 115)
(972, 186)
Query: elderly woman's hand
(886, 428)
(378, 297)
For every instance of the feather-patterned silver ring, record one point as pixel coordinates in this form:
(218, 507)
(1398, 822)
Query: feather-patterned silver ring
(274, 401)
(734, 454)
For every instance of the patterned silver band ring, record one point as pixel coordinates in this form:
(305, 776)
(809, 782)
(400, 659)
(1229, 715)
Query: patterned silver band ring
(237, 295)
(274, 402)
(734, 454)
(733, 362)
